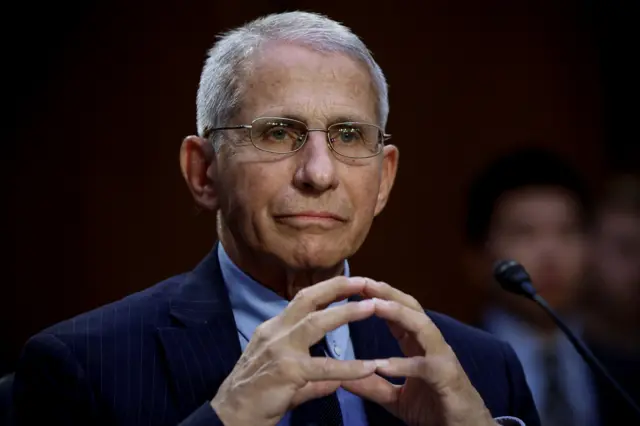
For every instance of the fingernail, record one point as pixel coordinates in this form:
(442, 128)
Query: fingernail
(357, 280)
(369, 282)
(367, 304)
(381, 363)
(382, 302)
(370, 365)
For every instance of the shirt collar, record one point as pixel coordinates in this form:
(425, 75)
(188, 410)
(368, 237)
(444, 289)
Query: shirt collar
(251, 302)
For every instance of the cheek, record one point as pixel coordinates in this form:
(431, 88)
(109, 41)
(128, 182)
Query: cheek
(247, 189)
(576, 258)
(363, 191)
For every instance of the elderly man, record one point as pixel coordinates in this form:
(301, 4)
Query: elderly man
(270, 329)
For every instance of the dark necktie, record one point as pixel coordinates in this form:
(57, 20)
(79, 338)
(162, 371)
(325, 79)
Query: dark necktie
(557, 410)
(323, 411)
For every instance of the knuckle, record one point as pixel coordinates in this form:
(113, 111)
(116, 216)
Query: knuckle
(288, 368)
(313, 321)
(305, 297)
(326, 367)
(262, 332)
(270, 353)
(413, 302)
(449, 367)
(285, 365)
(423, 366)
(301, 294)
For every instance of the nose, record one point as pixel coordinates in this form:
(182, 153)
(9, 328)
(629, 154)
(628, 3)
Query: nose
(316, 169)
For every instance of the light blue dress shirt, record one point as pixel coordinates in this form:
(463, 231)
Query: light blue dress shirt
(253, 304)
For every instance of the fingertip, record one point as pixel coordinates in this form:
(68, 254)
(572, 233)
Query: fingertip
(381, 363)
(382, 303)
(358, 281)
(374, 284)
(367, 304)
(370, 365)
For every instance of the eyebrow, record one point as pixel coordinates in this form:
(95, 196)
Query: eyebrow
(333, 120)
(348, 118)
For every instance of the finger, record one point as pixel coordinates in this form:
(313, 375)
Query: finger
(311, 298)
(417, 323)
(384, 291)
(316, 369)
(381, 290)
(407, 340)
(431, 369)
(402, 367)
(313, 390)
(376, 389)
(317, 324)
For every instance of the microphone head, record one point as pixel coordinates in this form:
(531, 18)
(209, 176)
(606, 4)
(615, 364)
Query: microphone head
(513, 277)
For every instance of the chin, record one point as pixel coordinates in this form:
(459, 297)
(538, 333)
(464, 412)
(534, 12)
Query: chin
(314, 253)
(314, 263)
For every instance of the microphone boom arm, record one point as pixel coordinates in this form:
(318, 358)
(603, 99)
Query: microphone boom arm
(513, 278)
(585, 352)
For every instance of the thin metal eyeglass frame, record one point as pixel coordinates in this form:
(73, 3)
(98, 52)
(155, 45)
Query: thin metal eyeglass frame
(385, 136)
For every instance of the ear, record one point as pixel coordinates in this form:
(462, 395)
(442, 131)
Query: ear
(390, 156)
(198, 165)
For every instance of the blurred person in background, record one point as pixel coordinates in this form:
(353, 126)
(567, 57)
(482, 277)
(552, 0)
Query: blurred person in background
(532, 207)
(612, 296)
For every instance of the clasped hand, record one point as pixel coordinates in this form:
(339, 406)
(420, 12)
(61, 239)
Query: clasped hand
(276, 373)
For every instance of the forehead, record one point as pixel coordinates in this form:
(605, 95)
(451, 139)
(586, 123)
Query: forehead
(537, 205)
(293, 80)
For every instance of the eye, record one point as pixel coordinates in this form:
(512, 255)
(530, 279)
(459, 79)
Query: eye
(277, 133)
(347, 135)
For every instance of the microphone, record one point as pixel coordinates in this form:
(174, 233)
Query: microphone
(513, 278)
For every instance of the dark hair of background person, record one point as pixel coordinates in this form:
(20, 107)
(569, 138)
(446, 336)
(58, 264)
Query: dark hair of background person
(524, 168)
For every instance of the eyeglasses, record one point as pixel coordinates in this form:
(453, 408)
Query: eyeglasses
(286, 135)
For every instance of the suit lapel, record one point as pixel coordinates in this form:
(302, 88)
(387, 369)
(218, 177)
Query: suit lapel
(372, 339)
(203, 347)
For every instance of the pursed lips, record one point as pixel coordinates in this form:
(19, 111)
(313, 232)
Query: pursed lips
(312, 216)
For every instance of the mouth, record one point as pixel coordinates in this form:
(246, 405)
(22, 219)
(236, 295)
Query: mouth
(311, 218)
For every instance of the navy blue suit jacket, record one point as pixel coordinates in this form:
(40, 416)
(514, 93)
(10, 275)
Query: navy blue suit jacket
(158, 357)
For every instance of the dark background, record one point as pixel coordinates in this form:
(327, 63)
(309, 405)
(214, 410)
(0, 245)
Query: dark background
(100, 95)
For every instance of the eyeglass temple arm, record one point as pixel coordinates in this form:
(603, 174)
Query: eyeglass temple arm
(208, 132)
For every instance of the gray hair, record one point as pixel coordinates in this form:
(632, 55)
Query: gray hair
(219, 93)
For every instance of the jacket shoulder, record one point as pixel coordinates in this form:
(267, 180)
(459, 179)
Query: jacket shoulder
(145, 309)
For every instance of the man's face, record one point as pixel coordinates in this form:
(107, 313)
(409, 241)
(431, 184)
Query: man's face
(312, 208)
(540, 228)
